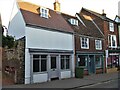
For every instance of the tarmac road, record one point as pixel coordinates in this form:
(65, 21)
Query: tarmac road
(107, 84)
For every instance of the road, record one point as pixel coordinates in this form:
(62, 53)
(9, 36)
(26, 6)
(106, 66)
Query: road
(107, 84)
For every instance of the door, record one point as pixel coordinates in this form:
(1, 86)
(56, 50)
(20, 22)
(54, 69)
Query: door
(54, 67)
(91, 64)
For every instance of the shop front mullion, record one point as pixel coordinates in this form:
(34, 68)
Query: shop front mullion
(40, 63)
(94, 65)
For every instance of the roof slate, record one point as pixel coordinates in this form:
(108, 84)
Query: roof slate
(85, 28)
(55, 21)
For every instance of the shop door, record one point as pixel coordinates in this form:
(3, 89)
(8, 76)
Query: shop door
(54, 67)
(91, 64)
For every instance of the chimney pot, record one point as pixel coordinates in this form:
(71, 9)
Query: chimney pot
(103, 13)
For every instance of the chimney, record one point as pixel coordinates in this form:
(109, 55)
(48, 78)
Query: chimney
(57, 6)
(103, 14)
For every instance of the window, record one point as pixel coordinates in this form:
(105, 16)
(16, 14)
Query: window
(113, 61)
(65, 62)
(82, 60)
(98, 61)
(73, 21)
(98, 44)
(39, 63)
(44, 12)
(111, 26)
(85, 43)
(112, 41)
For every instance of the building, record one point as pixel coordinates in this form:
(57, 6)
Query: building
(89, 42)
(49, 42)
(109, 29)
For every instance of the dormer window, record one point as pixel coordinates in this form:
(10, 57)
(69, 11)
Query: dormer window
(73, 21)
(111, 26)
(44, 12)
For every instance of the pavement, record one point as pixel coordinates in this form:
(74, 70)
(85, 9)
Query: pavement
(71, 83)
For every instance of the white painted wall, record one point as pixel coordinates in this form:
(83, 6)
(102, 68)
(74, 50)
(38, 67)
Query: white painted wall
(16, 24)
(37, 78)
(65, 74)
(27, 67)
(44, 39)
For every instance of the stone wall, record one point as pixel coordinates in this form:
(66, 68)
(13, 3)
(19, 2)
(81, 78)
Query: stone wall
(13, 61)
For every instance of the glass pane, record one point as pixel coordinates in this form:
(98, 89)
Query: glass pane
(35, 65)
(67, 63)
(53, 62)
(98, 61)
(62, 64)
(44, 56)
(43, 65)
(36, 56)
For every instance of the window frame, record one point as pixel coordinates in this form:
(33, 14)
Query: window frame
(44, 12)
(40, 61)
(110, 42)
(73, 21)
(111, 26)
(98, 46)
(64, 62)
(81, 39)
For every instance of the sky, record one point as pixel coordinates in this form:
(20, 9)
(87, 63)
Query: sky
(67, 6)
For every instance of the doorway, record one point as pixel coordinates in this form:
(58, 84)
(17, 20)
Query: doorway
(54, 67)
(91, 64)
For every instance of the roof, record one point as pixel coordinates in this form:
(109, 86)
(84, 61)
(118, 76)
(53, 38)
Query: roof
(31, 16)
(98, 14)
(117, 19)
(85, 26)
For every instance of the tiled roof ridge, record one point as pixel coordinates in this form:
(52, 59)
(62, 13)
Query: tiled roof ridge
(98, 14)
(93, 12)
(68, 15)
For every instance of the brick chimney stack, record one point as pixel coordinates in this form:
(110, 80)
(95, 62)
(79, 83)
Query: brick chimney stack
(57, 6)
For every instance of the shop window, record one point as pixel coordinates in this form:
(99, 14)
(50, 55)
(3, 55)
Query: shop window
(98, 61)
(39, 63)
(82, 61)
(112, 61)
(65, 62)
(85, 43)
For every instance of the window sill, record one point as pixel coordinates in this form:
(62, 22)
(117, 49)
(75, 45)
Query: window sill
(65, 69)
(84, 48)
(40, 72)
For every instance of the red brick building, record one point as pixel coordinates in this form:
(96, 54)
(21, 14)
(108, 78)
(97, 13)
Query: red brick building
(109, 30)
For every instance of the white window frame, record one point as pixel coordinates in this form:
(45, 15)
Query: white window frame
(111, 26)
(83, 47)
(44, 12)
(73, 21)
(98, 44)
(111, 45)
(65, 60)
